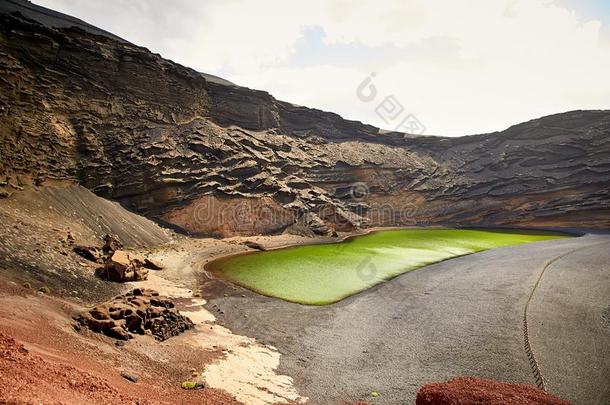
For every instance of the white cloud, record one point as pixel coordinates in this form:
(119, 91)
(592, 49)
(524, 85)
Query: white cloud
(513, 60)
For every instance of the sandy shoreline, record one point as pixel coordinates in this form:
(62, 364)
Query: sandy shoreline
(246, 368)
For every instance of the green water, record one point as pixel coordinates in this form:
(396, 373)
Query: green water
(327, 273)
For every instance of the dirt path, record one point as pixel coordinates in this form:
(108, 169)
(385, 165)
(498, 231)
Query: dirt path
(460, 317)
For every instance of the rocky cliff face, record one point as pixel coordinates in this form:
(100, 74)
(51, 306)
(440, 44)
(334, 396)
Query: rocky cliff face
(81, 106)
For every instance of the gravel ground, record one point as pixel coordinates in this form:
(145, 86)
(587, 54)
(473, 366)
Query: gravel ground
(459, 317)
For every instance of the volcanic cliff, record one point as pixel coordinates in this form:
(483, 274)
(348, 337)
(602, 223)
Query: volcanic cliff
(79, 105)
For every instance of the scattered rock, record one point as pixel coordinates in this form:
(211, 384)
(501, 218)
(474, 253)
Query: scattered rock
(254, 245)
(111, 245)
(122, 266)
(44, 289)
(117, 332)
(139, 311)
(193, 385)
(475, 391)
(129, 376)
(89, 252)
(152, 264)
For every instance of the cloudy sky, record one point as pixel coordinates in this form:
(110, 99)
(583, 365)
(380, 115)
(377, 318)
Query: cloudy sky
(458, 67)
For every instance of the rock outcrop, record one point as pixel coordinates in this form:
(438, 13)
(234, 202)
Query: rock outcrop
(474, 391)
(139, 311)
(217, 159)
(122, 266)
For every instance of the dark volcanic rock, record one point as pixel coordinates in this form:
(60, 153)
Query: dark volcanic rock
(111, 244)
(139, 311)
(152, 264)
(217, 159)
(89, 252)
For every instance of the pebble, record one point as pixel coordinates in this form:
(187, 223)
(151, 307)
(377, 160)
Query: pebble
(129, 376)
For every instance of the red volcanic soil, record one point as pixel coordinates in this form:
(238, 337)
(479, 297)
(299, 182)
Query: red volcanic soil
(28, 377)
(44, 360)
(477, 391)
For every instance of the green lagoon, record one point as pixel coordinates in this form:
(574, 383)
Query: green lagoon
(326, 273)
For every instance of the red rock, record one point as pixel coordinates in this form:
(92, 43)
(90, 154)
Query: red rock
(121, 266)
(111, 245)
(477, 391)
(118, 333)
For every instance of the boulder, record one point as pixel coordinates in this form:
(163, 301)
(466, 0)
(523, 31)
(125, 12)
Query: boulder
(152, 264)
(139, 311)
(118, 332)
(475, 391)
(122, 266)
(111, 245)
(89, 252)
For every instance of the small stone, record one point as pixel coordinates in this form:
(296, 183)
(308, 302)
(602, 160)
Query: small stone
(88, 252)
(129, 376)
(192, 385)
(118, 333)
(152, 264)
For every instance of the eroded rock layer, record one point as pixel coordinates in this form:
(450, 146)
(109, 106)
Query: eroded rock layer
(139, 311)
(214, 158)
